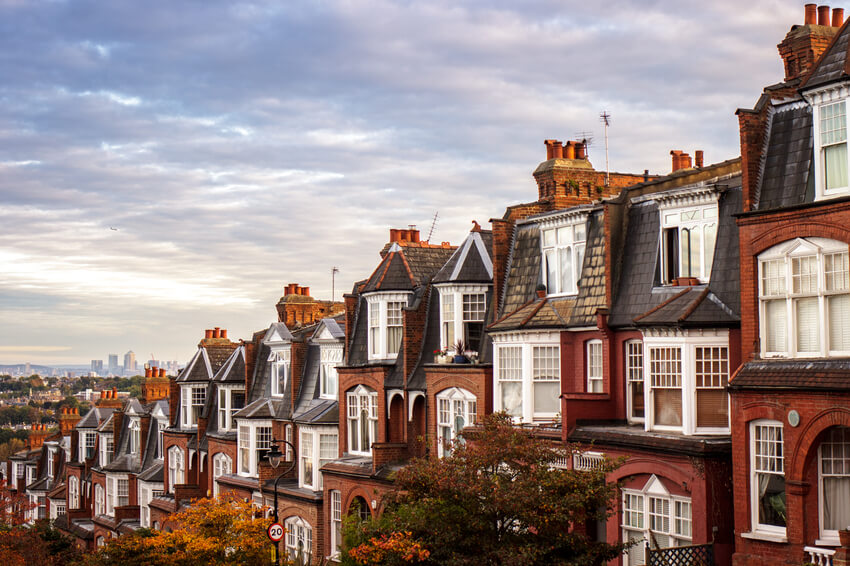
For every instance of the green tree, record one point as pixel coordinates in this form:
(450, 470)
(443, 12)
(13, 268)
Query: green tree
(494, 500)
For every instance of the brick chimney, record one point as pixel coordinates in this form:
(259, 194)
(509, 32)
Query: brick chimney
(404, 235)
(37, 435)
(805, 43)
(68, 419)
(155, 386)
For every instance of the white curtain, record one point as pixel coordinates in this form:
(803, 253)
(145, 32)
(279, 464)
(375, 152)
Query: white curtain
(836, 503)
(835, 160)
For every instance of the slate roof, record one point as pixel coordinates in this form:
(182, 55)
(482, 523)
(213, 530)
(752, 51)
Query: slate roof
(548, 312)
(832, 65)
(825, 375)
(523, 268)
(309, 407)
(786, 175)
(275, 408)
(471, 262)
(199, 368)
(94, 417)
(641, 301)
(405, 267)
(591, 291)
(233, 370)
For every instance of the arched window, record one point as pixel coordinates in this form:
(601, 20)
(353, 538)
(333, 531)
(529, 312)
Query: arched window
(176, 468)
(98, 499)
(456, 409)
(222, 464)
(804, 299)
(654, 514)
(73, 492)
(362, 420)
(834, 482)
(359, 508)
(299, 540)
(100, 542)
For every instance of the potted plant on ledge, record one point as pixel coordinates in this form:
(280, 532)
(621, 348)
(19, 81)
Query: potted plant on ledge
(460, 353)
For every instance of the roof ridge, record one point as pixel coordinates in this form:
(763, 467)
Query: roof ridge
(513, 312)
(662, 304)
(534, 311)
(693, 306)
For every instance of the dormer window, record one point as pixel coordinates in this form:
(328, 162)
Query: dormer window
(331, 355)
(462, 312)
(280, 368)
(806, 282)
(135, 436)
(192, 402)
(87, 443)
(230, 400)
(106, 446)
(562, 256)
(688, 235)
(385, 324)
(832, 138)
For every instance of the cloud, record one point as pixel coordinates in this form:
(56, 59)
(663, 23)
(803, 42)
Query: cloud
(237, 147)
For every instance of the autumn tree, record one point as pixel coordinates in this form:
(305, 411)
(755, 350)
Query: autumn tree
(218, 531)
(37, 544)
(496, 499)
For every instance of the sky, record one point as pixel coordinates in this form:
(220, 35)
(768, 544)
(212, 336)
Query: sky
(169, 166)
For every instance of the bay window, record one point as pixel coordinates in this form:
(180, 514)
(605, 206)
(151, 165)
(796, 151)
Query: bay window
(280, 369)
(594, 366)
(99, 500)
(117, 493)
(805, 281)
(688, 235)
(362, 405)
(834, 482)
(318, 446)
(528, 375)
(230, 400)
(634, 379)
(562, 246)
(192, 403)
(73, 492)
(462, 312)
(255, 439)
(653, 513)
(331, 356)
(767, 477)
(456, 409)
(385, 324)
(831, 147)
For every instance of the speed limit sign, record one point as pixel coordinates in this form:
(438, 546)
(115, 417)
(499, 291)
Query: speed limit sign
(275, 532)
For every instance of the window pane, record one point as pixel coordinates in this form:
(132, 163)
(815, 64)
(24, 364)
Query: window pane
(551, 272)
(835, 166)
(565, 258)
(667, 404)
(710, 232)
(776, 320)
(839, 322)
(512, 397)
(634, 375)
(808, 325)
(804, 273)
(394, 327)
(546, 397)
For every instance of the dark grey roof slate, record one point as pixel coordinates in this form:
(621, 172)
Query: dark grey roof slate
(430, 341)
(233, 370)
(541, 313)
(824, 375)
(425, 262)
(467, 264)
(524, 268)
(358, 347)
(832, 64)
(261, 380)
(591, 285)
(391, 275)
(276, 408)
(725, 282)
(333, 326)
(124, 463)
(154, 473)
(319, 411)
(94, 417)
(639, 264)
(310, 386)
(787, 161)
(198, 368)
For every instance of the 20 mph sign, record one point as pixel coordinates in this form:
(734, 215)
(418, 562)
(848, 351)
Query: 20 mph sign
(275, 532)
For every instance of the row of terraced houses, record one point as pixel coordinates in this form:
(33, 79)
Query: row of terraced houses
(696, 323)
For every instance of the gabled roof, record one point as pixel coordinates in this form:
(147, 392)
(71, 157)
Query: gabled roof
(94, 417)
(541, 314)
(833, 64)
(277, 332)
(471, 262)
(406, 267)
(199, 367)
(233, 370)
(275, 408)
(330, 329)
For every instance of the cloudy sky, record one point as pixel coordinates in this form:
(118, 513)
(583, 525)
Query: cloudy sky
(168, 166)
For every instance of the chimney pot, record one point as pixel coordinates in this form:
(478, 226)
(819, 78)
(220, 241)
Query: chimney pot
(208, 333)
(557, 150)
(306, 294)
(570, 150)
(414, 237)
(837, 17)
(216, 332)
(698, 158)
(823, 15)
(550, 152)
(811, 14)
(147, 372)
(580, 151)
(224, 333)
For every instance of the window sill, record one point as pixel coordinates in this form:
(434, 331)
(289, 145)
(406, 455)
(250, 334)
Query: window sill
(763, 536)
(587, 396)
(827, 542)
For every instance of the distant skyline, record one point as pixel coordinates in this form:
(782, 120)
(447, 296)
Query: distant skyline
(167, 167)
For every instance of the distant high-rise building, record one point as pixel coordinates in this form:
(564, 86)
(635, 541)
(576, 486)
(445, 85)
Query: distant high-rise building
(113, 363)
(129, 361)
(97, 366)
(27, 369)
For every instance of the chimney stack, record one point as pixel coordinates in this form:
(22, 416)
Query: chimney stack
(804, 44)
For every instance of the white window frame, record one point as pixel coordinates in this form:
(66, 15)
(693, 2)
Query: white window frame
(377, 315)
(115, 485)
(774, 461)
(176, 467)
(190, 410)
(595, 366)
(336, 522)
(99, 500)
(562, 246)
(829, 537)
(281, 368)
(222, 465)
(525, 343)
(160, 437)
(639, 512)
(821, 100)
(777, 285)
(31, 469)
(456, 409)
(703, 216)
(318, 446)
(454, 317)
(331, 356)
(686, 343)
(357, 401)
(633, 356)
(88, 439)
(135, 435)
(225, 406)
(73, 492)
(252, 437)
(298, 531)
(106, 449)
(145, 495)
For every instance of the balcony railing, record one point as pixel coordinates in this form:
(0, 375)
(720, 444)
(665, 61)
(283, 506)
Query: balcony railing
(819, 556)
(588, 461)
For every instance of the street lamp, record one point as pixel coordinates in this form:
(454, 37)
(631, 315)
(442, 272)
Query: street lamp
(275, 456)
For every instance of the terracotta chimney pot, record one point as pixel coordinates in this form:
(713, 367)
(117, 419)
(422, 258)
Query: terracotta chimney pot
(224, 333)
(550, 152)
(823, 15)
(698, 157)
(570, 152)
(557, 150)
(208, 333)
(811, 14)
(580, 151)
(837, 17)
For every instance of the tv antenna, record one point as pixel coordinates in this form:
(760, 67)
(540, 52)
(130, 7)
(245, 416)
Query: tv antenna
(433, 223)
(334, 271)
(605, 118)
(584, 137)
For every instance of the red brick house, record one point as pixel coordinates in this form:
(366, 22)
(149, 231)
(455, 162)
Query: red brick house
(790, 399)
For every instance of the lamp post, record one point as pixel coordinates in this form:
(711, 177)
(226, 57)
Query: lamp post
(275, 456)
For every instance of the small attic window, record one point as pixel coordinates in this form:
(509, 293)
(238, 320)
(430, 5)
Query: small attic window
(687, 242)
(562, 256)
(832, 142)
